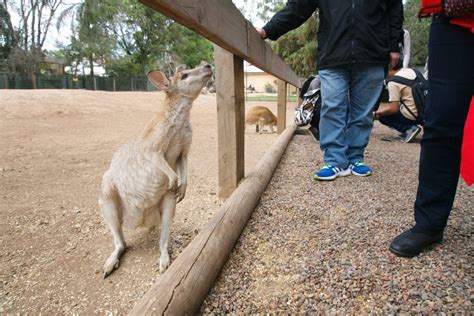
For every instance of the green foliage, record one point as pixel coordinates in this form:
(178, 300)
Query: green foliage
(96, 40)
(298, 48)
(266, 9)
(419, 31)
(269, 88)
(192, 49)
(123, 67)
(128, 38)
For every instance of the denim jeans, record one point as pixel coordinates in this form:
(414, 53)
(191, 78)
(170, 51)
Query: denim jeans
(451, 86)
(397, 121)
(349, 96)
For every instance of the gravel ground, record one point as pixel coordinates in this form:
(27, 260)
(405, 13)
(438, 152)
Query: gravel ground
(324, 246)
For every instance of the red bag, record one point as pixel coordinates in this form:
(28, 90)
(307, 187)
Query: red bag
(449, 8)
(458, 8)
(430, 7)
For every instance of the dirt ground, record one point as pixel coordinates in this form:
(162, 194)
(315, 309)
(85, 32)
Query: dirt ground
(55, 145)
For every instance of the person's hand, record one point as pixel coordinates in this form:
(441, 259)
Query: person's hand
(375, 115)
(394, 58)
(262, 32)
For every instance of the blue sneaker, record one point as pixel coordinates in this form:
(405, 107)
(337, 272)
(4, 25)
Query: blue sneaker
(360, 169)
(328, 172)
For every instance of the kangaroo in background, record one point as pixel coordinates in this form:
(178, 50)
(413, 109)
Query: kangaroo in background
(141, 186)
(261, 116)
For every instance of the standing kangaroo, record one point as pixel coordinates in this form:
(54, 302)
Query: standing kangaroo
(141, 186)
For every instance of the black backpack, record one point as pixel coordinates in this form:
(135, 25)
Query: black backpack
(419, 88)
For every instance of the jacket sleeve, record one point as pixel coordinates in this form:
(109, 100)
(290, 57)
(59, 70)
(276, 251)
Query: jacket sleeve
(295, 13)
(395, 12)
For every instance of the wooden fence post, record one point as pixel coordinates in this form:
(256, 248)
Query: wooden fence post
(281, 113)
(33, 81)
(230, 120)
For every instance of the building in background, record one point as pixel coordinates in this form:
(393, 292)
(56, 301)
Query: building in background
(258, 81)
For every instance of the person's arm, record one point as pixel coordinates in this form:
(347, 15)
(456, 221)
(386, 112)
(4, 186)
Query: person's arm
(295, 13)
(392, 108)
(406, 48)
(395, 11)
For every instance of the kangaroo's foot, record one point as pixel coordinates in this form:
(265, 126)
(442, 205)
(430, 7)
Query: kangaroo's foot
(112, 262)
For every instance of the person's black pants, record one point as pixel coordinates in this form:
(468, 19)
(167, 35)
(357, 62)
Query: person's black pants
(451, 85)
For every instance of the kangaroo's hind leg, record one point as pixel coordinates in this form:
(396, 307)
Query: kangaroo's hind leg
(168, 206)
(113, 218)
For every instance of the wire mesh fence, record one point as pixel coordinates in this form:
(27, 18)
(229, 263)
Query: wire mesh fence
(20, 81)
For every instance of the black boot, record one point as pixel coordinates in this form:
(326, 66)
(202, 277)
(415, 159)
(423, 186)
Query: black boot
(412, 242)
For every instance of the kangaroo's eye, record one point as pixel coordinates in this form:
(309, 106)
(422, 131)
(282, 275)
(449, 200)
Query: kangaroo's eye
(184, 76)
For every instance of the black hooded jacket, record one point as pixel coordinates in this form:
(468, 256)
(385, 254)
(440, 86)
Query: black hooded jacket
(350, 31)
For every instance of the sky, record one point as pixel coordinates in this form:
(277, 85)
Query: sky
(56, 37)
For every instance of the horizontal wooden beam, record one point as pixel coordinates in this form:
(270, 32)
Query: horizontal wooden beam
(184, 286)
(222, 23)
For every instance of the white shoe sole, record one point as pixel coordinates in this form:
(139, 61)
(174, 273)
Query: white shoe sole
(360, 174)
(412, 136)
(343, 173)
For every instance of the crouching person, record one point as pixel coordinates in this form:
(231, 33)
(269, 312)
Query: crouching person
(402, 113)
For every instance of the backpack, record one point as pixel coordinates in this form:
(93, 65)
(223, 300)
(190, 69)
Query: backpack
(419, 89)
(309, 110)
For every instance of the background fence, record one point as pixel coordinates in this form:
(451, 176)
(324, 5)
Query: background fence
(18, 81)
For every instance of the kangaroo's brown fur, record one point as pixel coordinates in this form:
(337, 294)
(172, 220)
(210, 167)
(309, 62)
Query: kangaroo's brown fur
(261, 116)
(148, 176)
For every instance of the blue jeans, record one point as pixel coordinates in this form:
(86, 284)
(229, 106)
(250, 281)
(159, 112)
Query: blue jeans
(349, 96)
(397, 121)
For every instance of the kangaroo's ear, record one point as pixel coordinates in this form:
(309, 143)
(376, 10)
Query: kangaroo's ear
(159, 80)
(180, 68)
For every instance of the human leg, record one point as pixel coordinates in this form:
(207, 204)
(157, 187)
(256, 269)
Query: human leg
(451, 87)
(397, 121)
(366, 84)
(408, 128)
(333, 118)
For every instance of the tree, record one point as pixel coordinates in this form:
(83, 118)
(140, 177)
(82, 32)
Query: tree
(94, 18)
(150, 40)
(419, 31)
(8, 38)
(191, 49)
(298, 47)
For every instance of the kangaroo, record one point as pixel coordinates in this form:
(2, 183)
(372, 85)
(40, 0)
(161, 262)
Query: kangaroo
(141, 186)
(261, 116)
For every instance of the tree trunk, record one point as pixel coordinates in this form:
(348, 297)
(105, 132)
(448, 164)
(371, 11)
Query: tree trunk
(91, 63)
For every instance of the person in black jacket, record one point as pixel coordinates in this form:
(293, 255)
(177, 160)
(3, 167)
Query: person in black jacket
(356, 40)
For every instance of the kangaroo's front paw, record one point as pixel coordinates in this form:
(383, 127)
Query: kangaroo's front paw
(164, 262)
(173, 184)
(180, 193)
